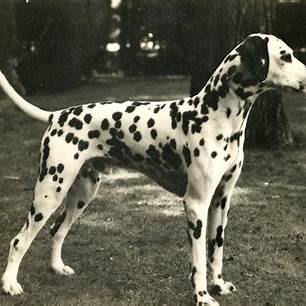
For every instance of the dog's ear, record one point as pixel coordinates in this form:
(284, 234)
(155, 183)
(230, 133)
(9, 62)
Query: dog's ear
(254, 55)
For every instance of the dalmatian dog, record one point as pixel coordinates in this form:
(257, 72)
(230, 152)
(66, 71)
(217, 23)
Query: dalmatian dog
(192, 147)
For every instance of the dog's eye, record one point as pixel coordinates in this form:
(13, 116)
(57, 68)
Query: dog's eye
(286, 58)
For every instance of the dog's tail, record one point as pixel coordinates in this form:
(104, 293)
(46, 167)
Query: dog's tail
(24, 105)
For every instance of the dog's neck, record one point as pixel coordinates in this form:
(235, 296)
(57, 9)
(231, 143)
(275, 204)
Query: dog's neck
(229, 94)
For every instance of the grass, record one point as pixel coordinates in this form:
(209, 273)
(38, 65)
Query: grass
(129, 247)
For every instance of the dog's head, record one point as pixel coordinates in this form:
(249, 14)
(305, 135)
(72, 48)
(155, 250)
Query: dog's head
(272, 62)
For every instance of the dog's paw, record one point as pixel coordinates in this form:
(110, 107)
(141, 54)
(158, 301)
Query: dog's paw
(222, 288)
(11, 287)
(203, 298)
(63, 270)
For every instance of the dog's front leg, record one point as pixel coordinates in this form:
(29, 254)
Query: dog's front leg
(197, 212)
(217, 220)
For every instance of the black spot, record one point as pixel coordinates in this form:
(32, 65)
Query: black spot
(117, 116)
(236, 137)
(223, 202)
(113, 132)
(61, 180)
(216, 80)
(32, 210)
(50, 118)
(105, 124)
(156, 110)
(38, 217)
(60, 168)
(193, 272)
(227, 157)
(55, 177)
(196, 152)
(92, 105)
(219, 137)
(211, 249)
(132, 128)
(286, 58)
(60, 132)
(173, 114)
(219, 239)
(45, 155)
(76, 123)
(187, 156)
(83, 145)
(80, 204)
(173, 143)
(223, 90)
(63, 118)
(196, 229)
(213, 154)
(211, 99)
(137, 136)
(93, 134)
(57, 224)
(76, 155)
(53, 132)
(196, 101)
(69, 137)
(118, 124)
(120, 134)
(150, 122)
(153, 133)
(130, 109)
(52, 170)
(87, 118)
(16, 242)
(234, 168)
(230, 57)
(99, 147)
(58, 189)
(228, 112)
(78, 110)
(136, 119)
(75, 140)
(231, 70)
(201, 142)
(227, 177)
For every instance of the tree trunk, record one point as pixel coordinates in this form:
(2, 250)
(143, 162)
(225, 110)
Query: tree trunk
(268, 126)
(8, 44)
(227, 23)
(212, 39)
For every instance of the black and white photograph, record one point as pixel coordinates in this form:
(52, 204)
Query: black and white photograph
(153, 152)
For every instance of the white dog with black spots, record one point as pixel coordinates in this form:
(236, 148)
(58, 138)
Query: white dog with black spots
(192, 147)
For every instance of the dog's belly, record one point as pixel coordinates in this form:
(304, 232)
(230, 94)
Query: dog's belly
(172, 179)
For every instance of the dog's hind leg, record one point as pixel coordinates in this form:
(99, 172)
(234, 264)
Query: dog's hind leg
(79, 196)
(57, 173)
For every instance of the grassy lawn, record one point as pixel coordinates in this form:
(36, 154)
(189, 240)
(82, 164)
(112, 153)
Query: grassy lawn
(129, 247)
